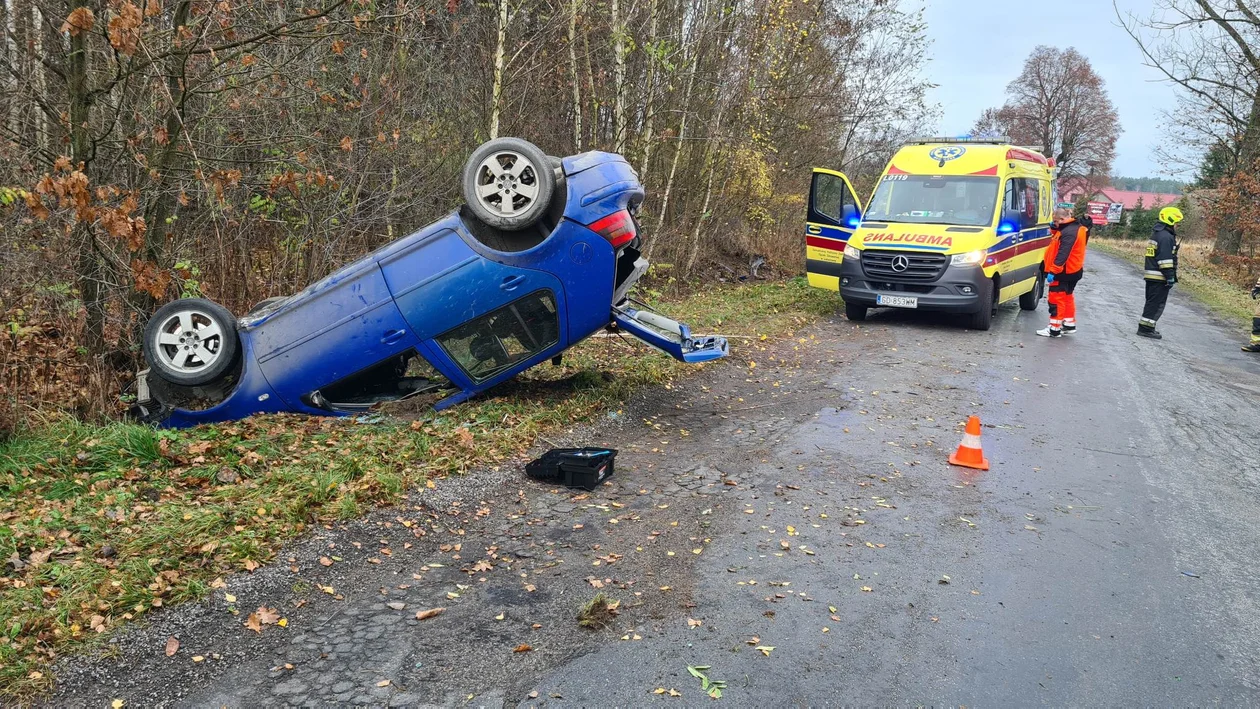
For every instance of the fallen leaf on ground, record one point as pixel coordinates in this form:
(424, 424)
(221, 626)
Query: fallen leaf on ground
(693, 623)
(383, 683)
(325, 561)
(522, 648)
(117, 704)
(675, 693)
(765, 649)
(229, 598)
(867, 589)
(658, 690)
(172, 645)
(250, 565)
(425, 615)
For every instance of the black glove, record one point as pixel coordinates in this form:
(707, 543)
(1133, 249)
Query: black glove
(1172, 280)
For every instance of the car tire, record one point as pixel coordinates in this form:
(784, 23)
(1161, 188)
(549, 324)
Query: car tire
(191, 342)
(1029, 300)
(508, 183)
(855, 312)
(983, 319)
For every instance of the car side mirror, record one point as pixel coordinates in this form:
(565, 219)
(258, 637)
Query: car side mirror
(850, 215)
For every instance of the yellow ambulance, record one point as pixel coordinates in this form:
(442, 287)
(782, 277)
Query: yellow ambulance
(954, 225)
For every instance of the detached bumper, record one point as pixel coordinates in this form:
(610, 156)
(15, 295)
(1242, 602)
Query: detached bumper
(956, 290)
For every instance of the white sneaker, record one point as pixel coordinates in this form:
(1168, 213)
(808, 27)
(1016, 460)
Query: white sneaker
(1047, 332)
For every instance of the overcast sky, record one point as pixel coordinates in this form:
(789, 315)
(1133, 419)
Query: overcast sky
(978, 46)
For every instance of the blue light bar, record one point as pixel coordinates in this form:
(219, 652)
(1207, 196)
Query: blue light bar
(1005, 228)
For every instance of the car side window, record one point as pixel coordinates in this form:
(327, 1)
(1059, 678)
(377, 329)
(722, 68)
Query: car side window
(1032, 202)
(829, 196)
(513, 333)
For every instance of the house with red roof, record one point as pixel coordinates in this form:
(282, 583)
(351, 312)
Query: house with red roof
(1071, 189)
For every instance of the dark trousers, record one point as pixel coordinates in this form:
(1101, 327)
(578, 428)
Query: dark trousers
(1156, 299)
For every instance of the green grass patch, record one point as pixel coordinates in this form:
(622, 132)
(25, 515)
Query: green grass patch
(1220, 296)
(102, 524)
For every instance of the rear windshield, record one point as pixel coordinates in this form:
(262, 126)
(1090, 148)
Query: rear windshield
(934, 199)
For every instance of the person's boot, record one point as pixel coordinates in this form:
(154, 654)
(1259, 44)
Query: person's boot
(1050, 332)
(1254, 345)
(1151, 333)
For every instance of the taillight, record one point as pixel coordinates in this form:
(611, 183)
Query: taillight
(618, 228)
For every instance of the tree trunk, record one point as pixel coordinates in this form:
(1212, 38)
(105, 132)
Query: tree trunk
(89, 262)
(170, 158)
(619, 79)
(496, 91)
(648, 110)
(682, 138)
(573, 76)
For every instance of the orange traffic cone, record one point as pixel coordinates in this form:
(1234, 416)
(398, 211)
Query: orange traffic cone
(969, 454)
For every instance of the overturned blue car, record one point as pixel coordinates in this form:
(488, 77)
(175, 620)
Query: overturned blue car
(541, 256)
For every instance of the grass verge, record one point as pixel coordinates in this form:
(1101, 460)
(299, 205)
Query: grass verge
(101, 524)
(1219, 295)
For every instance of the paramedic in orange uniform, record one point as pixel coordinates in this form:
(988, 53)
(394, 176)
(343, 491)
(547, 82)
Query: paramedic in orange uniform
(1064, 265)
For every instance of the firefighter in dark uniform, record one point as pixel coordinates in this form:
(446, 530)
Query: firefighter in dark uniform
(1254, 345)
(1160, 270)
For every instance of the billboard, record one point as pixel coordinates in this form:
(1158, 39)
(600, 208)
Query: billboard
(1105, 212)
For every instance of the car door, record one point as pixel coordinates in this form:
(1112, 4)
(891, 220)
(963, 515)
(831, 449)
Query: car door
(669, 336)
(439, 282)
(833, 215)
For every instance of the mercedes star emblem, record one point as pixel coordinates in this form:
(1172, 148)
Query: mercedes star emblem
(900, 263)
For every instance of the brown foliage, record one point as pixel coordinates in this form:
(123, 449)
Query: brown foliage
(124, 28)
(81, 19)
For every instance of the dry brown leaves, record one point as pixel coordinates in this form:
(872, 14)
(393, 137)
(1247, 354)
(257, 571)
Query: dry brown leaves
(80, 20)
(262, 616)
(124, 28)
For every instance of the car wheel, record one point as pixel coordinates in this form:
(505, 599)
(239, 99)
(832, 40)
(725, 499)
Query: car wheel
(983, 318)
(1029, 300)
(854, 312)
(508, 183)
(191, 341)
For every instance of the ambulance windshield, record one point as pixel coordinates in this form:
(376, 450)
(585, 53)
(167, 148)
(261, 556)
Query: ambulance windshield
(934, 199)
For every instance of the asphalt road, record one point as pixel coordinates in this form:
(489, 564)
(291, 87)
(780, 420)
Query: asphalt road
(1111, 556)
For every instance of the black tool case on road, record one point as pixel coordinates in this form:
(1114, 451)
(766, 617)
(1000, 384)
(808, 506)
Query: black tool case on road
(584, 468)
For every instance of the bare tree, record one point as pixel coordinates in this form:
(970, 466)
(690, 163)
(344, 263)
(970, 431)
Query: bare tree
(1059, 104)
(1209, 50)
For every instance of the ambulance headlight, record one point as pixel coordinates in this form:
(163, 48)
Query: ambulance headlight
(850, 252)
(971, 258)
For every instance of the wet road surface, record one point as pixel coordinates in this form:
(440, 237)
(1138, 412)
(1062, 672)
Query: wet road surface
(1111, 556)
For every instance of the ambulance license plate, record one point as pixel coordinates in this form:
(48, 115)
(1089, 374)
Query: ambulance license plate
(897, 301)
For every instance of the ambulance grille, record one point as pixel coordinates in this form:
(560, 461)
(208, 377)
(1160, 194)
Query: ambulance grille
(919, 267)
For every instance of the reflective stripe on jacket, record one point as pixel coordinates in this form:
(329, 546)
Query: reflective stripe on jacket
(1161, 254)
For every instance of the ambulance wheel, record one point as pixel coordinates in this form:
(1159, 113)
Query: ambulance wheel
(1029, 300)
(983, 319)
(855, 312)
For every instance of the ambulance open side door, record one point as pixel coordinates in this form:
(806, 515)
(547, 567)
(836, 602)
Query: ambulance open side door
(834, 214)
